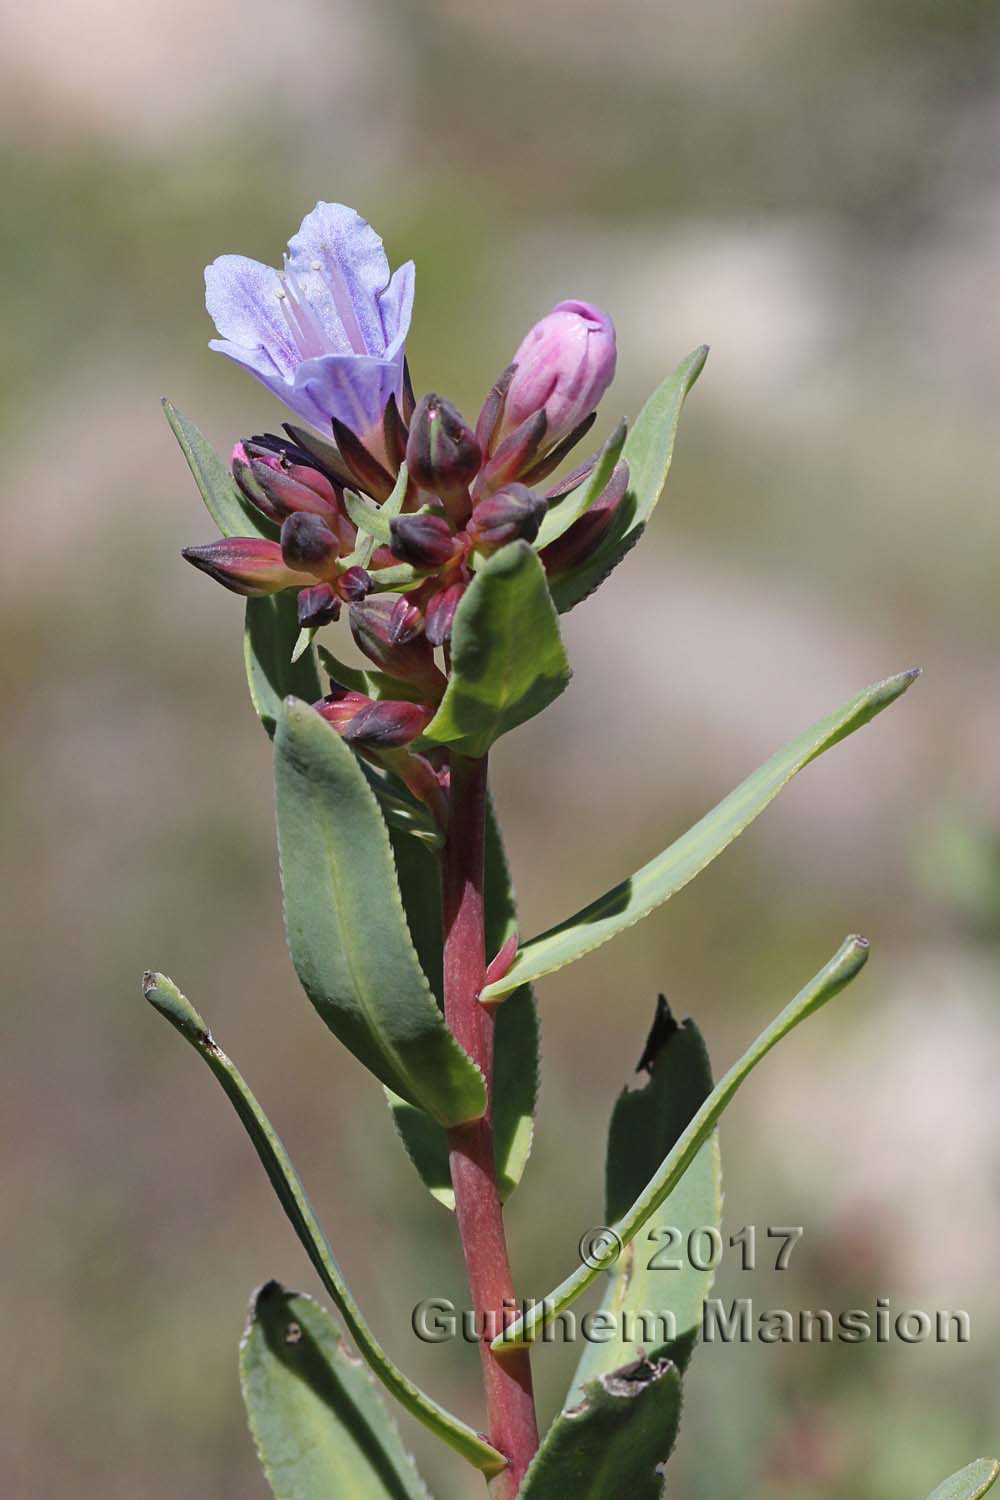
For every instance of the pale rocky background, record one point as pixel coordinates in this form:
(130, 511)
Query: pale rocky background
(814, 190)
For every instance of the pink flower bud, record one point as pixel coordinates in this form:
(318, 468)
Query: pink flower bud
(563, 366)
(247, 565)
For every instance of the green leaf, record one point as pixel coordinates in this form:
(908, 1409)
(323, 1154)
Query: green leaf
(317, 1420)
(615, 1442)
(563, 513)
(831, 979)
(649, 452)
(367, 516)
(270, 632)
(655, 1283)
(969, 1483)
(165, 997)
(231, 512)
(507, 660)
(346, 927)
(627, 903)
(515, 1060)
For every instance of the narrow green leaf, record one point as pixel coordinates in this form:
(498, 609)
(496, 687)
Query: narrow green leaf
(831, 979)
(625, 904)
(655, 1290)
(515, 1061)
(165, 997)
(270, 632)
(615, 1443)
(317, 1420)
(398, 579)
(969, 1483)
(562, 513)
(507, 660)
(303, 641)
(649, 451)
(233, 514)
(346, 927)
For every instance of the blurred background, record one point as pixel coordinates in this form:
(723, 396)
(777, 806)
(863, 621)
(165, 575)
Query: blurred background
(814, 190)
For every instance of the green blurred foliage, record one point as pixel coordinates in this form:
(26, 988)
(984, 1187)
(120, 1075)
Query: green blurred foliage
(813, 190)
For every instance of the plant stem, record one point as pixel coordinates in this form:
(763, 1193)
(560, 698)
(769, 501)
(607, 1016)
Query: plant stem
(507, 1378)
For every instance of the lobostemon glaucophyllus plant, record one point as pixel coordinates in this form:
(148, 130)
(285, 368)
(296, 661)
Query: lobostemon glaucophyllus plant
(449, 549)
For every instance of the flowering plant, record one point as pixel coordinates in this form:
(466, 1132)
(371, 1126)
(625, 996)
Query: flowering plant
(450, 551)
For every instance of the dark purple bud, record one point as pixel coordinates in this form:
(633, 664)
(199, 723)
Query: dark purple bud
(563, 367)
(368, 472)
(387, 724)
(308, 544)
(439, 614)
(247, 565)
(409, 657)
(354, 584)
(442, 454)
(318, 606)
(586, 534)
(424, 541)
(512, 514)
(516, 453)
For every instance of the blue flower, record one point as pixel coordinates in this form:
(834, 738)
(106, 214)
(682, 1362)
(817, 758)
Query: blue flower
(327, 333)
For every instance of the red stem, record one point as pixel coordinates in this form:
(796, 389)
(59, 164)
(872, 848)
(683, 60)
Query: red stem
(507, 1378)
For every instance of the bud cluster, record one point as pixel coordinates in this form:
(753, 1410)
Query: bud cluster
(468, 492)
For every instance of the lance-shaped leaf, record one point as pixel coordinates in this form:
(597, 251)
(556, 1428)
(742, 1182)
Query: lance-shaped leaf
(347, 931)
(561, 514)
(649, 451)
(626, 903)
(515, 1060)
(178, 1010)
(270, 632)
(615, 1442)
(657, 1287)
(969, 1483)
(317, 1420)
(831, 979)
(507, 659)
(228, 507)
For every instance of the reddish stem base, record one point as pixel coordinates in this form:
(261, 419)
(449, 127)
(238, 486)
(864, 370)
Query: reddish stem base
(507, 1378)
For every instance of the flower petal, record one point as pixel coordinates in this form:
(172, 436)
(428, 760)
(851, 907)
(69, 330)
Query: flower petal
(338, 261)
(353, 388)
(242, 299)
